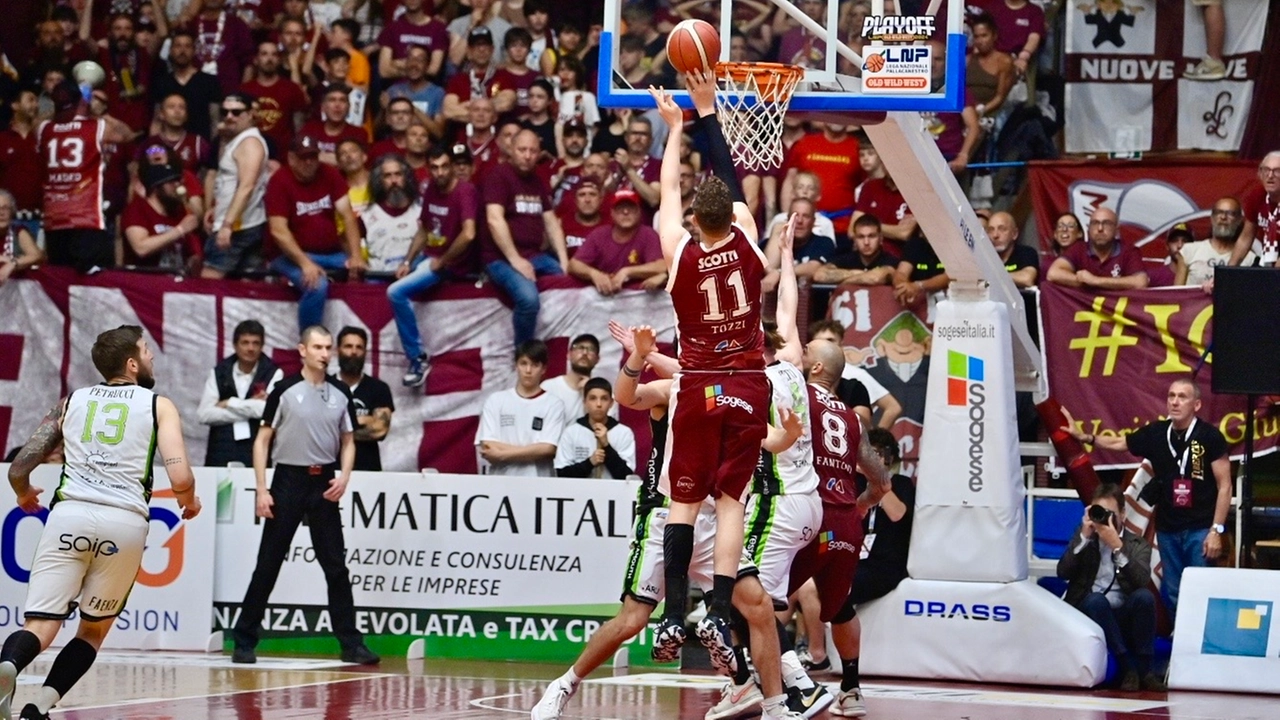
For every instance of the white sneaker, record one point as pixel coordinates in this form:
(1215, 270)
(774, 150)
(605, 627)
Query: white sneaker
(1206, 69)
(736, 701)
(553, 701)
(783, 714)
(849, 704)
(8, 680)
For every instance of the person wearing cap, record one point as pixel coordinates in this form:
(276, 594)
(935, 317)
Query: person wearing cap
(334, 128)
(478, 23)
(446, 229)
(159, 229)
(1166, 272)
(426, 98)
(583, 216)
(417, 26)
(625, 252)
(304, 202)
(464, 166)
(521, 226)
(568, 168)
(1199, 258)
(235, 218)
(473, 79)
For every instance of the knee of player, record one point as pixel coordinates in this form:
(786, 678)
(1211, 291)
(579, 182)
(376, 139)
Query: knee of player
(634, 616)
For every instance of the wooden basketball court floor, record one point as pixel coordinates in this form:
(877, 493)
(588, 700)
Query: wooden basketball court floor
(188, 686)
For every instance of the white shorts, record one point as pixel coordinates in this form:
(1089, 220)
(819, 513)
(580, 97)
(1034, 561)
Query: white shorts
(777, 527)
(645, 578)
(88, 552)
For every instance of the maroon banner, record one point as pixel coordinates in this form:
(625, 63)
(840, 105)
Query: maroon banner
(49, 319)
(1112, 357)
(1149, 197)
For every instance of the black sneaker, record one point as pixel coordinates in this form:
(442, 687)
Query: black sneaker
(810, 702)
(668, 637)
(31, 712)
(713, 633)
(1130, 681)
(244, 656)
(360, 655)
(1152, 682)
(816, 667)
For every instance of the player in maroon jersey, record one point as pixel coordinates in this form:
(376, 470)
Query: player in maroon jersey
(720, 401)
(72, 146)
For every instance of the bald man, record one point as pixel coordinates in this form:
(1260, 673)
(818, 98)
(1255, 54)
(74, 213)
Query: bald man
(521, 222)
(1022, 262)
(1102, 263)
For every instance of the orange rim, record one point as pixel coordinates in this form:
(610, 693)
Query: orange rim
(774, 81)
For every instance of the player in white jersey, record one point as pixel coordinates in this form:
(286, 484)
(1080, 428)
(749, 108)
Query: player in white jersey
(91, 547)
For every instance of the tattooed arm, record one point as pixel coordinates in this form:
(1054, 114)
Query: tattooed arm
(42, 442)
(173, 449)
(878, 478)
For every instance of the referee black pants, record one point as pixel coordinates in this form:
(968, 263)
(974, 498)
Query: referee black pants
(298, 495)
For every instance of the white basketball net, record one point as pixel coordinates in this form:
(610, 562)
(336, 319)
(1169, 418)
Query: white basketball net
(751, 119)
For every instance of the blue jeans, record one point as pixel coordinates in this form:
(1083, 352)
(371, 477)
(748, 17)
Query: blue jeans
(399, 293)
(1130, 629)
(523, 291)
(1178, 551)
(311, 304)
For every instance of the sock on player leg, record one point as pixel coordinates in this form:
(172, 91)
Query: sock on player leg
(785, 643)
(775, 705)
(849, 678)
(571, 677)
(20, 648)
(70, 665)
(743, 673)
(677, 551)
(722, 595)
(793, 673)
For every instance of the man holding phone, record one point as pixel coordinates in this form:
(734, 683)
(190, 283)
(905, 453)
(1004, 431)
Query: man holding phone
(1108, 569)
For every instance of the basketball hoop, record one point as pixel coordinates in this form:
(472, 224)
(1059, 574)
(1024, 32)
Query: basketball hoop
(751, 105)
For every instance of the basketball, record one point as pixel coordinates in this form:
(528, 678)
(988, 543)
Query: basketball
(875, 63)
(693, 45)
(88, 72)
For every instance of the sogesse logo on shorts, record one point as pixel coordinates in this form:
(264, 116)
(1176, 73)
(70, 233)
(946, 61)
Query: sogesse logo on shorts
(79, 543)
(716, 398)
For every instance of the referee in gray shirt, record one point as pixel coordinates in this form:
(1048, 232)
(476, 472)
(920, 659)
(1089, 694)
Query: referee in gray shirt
(312, 418)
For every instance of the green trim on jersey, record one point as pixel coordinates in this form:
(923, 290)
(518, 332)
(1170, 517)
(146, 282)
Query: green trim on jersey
(760, 527)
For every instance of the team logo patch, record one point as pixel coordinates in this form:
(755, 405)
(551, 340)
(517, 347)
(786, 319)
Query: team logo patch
(537, 423)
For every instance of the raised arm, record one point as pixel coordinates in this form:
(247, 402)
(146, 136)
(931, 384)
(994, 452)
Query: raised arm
(670, 222)
(788, 298)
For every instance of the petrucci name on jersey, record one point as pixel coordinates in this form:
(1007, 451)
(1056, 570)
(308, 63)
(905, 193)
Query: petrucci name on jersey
(720, 259)
(106, 391)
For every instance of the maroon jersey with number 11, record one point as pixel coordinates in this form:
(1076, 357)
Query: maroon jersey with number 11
(716, 295)
(72, 152)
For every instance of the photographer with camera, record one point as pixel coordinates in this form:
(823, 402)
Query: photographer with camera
(1190, 485)
(1107, 569)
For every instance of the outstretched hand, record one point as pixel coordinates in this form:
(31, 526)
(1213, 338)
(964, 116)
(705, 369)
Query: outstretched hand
(789, 235)
(645, 340)
(671, 113)
(702, 91)
(622, 335)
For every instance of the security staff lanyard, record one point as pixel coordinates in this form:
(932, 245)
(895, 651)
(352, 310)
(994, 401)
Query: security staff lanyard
(1183, 461)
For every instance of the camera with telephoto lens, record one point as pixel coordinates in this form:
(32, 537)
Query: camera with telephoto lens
(1100, 514)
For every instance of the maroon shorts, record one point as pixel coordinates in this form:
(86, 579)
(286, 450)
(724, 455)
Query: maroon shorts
(831, 559)
(718, 420)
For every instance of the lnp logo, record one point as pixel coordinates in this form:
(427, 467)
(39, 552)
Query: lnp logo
(897, 28)
(1236, 627)
(965, 376)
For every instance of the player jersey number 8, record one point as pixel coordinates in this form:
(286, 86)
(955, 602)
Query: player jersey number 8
(109, 439)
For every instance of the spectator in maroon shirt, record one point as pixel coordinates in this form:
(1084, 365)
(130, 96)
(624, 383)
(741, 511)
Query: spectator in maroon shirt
(578, 219)
(398, 118)
(521, 224)
(621, 253)
(159, 229)
(445, 233)
(128, 75)
(1102, 263)
(224, 44)
(473, 80)
(22, 166)
(638, 169)
(281, 105)
(334, 129)
(304, 201)
(568, 165)
(481, 137)
(192, 150)
(415, 27)
(1019, 29)
(511, 82)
